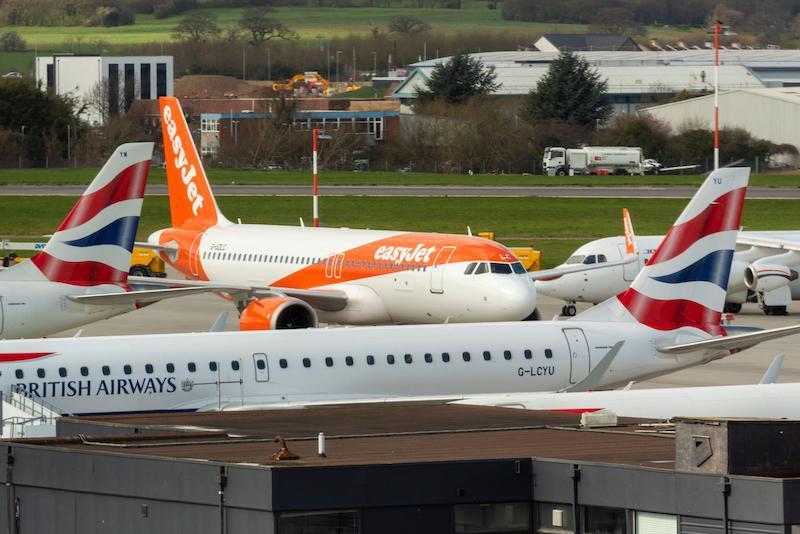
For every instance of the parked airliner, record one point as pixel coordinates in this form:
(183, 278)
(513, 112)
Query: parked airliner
(81, 274)
(288, 277)
(669, 319)
(764, 270)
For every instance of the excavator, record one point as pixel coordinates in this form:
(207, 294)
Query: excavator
(313, 81)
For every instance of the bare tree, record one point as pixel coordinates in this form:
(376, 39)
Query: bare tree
(263, 28)
(197, 27)
(97, 100)
(407, 24)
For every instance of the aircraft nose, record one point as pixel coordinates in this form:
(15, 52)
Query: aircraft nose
(519, 298)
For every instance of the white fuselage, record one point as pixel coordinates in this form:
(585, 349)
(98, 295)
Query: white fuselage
(595, 286)
(230, 369)
(426, 285)
(760, 400)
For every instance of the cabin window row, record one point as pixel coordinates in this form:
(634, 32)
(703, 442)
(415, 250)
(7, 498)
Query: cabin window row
(128, 369)
(391, 359)
(304, 260)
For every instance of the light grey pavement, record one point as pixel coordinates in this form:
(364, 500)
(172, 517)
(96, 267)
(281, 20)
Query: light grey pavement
(197, 313)
(420, 191)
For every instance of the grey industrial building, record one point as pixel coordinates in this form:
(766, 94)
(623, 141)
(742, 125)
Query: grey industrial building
(435, 468)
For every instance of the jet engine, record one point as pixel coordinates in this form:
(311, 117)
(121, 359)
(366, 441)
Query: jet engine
(762, 277)
(278, 313)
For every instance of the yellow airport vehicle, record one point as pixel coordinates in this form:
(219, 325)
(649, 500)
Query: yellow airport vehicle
(530, 258)
(144, 261)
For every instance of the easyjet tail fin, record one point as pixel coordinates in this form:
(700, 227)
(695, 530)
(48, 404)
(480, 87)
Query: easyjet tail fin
(191, 203)
(685, 281)
(631, 247)
(93, 244)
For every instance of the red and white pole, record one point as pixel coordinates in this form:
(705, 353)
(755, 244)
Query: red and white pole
(315, 209)
(716, 94)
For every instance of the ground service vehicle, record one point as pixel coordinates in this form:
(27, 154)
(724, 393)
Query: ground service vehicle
(601, 160)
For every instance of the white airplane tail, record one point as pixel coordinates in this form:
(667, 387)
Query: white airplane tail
(93, 244)
(685, 281)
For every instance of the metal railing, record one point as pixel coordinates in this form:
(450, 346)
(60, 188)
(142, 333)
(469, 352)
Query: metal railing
(38, 410)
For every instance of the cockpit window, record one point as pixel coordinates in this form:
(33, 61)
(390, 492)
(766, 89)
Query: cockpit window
(590, 259)
(501, 268)
(601, 258)
(518, 268)
(578, 258)
(482, 268)
(470, 267)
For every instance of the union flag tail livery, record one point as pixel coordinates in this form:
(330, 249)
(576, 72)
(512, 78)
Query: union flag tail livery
(286, 276)
(93, 244)
(685, 281)
(190, 200)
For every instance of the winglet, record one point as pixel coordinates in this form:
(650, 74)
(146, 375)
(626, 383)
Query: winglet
(631, 247)
(597, 374)
(773, 371)
(219, 324)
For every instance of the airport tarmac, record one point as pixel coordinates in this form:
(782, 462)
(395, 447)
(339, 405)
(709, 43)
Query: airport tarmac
(765, 193)
(197, 313)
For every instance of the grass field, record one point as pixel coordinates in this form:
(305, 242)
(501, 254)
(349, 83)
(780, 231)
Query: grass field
(555, 226)
(312, 23)
(251, 177)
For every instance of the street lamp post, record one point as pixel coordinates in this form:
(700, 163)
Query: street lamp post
(374, 63)
(337, 65)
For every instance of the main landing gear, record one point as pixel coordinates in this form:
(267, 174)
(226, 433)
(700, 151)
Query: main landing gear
(732, 307)
(569, 309)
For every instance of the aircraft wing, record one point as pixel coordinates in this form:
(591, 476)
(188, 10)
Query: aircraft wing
(549, 274)
(732, 343)
(767, 242)
(145, 296)
(321, 299)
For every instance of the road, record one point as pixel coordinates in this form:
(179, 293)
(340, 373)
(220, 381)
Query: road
(418, 191)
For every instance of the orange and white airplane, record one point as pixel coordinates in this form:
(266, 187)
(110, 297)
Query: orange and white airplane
(291, 277)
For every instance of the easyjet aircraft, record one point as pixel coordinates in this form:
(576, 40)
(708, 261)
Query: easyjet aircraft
(286, 277)
(81, 275)
(669, 319)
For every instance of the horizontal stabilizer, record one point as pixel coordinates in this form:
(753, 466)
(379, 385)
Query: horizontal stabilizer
(732, 343)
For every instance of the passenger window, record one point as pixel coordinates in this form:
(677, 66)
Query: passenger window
(127, 369)
(482, 268)
(445, 357)
(487, 355)
(40, 373)
(84, 371)
(548, 353)
(306, 363)
(466, 356)
(370, 360)
(170, 368)
(348, 361)
(148, 368)
(528, 354)
(507, 354)
(212, 366)
(390, 359)
(62, 372)
(192, 367)
(283, 363)
(106, 370)
(470, 267)
(261, 365)
(329, 361)
(428, 357)
(235, 365)
(408, 358)
(19, 374)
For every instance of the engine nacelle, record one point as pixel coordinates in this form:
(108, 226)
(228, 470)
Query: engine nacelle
(279, 313)
(762, 277)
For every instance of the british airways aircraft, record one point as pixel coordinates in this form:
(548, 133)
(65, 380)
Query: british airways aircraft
(81, 275)
(669, 319)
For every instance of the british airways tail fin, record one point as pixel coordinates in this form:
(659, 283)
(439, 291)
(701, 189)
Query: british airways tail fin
(93, 244)
(191, 202)
(685, 281)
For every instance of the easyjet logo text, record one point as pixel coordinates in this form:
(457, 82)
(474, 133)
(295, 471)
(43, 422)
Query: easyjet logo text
(418, 254)
(187, 170)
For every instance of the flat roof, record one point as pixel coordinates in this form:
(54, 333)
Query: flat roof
(369, 434)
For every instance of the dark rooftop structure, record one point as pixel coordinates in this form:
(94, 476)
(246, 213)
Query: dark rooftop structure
(585, 42)
(401, 468)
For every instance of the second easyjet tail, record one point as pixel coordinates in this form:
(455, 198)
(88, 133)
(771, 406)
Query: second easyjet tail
(191, 203)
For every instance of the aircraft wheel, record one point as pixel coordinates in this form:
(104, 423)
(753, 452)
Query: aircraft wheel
(775, 310)
(569, 310)
(732, 307)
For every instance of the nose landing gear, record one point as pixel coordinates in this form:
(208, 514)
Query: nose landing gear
(569, 309)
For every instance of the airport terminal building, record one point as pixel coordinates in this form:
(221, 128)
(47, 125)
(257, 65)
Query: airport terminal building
(403, 468)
